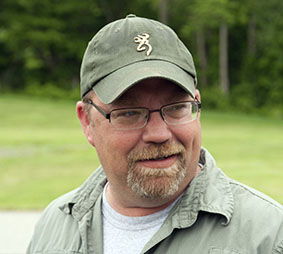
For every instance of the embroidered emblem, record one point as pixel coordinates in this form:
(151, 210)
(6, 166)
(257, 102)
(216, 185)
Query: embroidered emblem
(143, 41)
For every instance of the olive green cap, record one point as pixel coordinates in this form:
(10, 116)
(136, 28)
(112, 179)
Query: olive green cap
(129, 50)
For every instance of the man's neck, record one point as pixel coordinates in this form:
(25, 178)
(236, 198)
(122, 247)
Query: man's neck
(145, 207)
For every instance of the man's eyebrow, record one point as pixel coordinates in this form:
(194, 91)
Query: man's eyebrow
(124, 100)
(178, 95)
(128, 100)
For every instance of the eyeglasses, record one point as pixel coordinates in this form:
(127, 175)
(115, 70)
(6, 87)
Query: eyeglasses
(137, 117)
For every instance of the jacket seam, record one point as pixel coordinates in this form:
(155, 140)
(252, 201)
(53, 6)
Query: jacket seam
(58, 251)
(255, 194)
(278, 249)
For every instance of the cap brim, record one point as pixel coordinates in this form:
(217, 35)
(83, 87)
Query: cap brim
(116, 83)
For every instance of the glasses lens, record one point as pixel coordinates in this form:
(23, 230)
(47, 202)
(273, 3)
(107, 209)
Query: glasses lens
(130, 118)
(182, 112)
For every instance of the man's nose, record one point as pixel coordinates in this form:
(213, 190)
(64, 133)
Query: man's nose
(156, 130)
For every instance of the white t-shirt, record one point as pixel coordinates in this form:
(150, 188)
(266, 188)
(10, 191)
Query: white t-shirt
(128, 235)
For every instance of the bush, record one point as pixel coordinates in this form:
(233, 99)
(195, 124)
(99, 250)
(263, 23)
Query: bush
(251, 98)
(242, 98)
(50, 90)
(214, 99)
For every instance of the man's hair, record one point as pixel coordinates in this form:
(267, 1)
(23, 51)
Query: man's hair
(85, 100)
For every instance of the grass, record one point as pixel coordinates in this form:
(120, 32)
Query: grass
(248, 149)
(43, 152)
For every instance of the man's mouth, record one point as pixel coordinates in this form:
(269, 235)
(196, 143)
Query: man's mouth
(156, 156)
(159, 158)
(158, 162)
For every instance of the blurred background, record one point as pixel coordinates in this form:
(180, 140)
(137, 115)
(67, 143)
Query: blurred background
(237, 45)
(238, 50)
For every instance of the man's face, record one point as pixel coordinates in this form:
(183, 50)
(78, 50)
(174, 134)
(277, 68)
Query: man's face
(156, 162)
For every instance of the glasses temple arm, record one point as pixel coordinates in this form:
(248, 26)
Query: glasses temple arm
(107, 116)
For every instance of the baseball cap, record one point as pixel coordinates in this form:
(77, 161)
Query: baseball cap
(130, 50)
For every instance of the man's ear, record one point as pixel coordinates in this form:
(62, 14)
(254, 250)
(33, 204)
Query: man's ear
(197, 95)
(85, 122)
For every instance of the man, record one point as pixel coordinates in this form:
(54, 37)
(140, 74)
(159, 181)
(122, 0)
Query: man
(157, 190)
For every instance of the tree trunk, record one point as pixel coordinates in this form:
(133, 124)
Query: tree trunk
(163, 11)
(201, 49)
(111, 9)
(223, 58)
(251, 36)
(106, 10)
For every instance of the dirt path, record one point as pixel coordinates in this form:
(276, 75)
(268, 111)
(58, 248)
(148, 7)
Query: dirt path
(16, 228)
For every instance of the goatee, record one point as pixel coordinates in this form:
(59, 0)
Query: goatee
(156, 183)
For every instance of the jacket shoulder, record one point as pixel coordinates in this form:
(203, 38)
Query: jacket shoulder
(252, 198)
(58, 229)
(53, 229)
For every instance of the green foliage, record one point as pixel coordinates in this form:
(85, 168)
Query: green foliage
(42, 43)
(263, 70)
(51, 91)
(242, 98)
(212, 98)
(45, 40)
(256, 74)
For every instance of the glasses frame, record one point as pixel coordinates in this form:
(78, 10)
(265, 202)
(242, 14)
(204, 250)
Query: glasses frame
(107, 115)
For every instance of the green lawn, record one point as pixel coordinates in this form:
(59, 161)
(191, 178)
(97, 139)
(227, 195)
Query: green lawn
(43, 152)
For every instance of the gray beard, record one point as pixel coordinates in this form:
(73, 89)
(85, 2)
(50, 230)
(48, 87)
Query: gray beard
(157, 183)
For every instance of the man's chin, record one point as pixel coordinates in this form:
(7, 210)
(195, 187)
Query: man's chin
(156, 183)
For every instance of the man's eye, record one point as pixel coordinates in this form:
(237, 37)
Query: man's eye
(126, 114)
(178, 107)
(177, 111)
(129, 113)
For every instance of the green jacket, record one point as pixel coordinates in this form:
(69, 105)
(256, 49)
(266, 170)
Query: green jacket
(216, 215)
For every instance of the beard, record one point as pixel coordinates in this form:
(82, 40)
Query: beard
(156, 183)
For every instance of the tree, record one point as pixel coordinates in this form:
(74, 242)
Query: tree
(42, 42)
(163, 11)
(201, 49)
(266, 64)
(44, 37)
(223, 58)
(216, 16)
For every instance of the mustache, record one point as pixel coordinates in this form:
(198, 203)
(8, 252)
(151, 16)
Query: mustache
(154, 152)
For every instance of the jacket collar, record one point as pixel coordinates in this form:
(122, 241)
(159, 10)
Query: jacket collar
(209, 191)
(86, 195)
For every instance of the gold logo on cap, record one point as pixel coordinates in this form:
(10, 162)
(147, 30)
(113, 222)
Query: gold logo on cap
(143, 41)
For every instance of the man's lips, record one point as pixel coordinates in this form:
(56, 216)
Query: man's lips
(160, 162)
